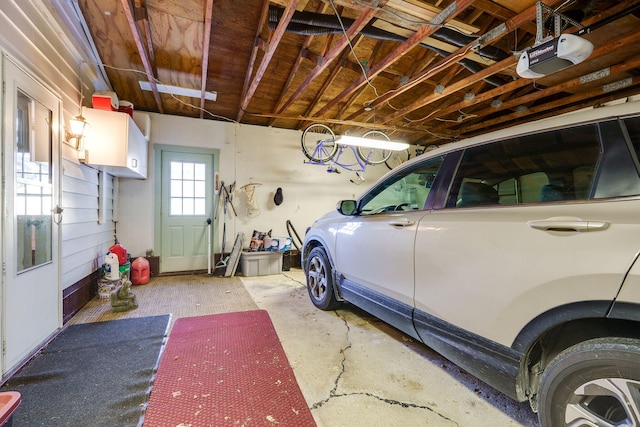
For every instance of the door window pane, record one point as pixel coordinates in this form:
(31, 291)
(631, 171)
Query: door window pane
(33, 198)
(187, 189)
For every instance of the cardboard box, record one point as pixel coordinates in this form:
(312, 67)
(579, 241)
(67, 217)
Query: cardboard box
(260, 263)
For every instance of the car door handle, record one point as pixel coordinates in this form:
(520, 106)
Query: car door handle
(401, 222)
(568, 224)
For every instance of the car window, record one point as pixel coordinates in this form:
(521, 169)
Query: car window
(632, 126)
(406, 190)
(618, 171)
(543, 167)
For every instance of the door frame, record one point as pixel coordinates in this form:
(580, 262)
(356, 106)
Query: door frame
(159, 149)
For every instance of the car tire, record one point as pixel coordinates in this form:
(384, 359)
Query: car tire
(320, 280)
(594, 383)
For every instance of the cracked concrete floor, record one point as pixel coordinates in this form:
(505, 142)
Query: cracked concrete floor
(355, 370)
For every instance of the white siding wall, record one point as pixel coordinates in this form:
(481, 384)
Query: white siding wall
(85, 241)
(31, 33)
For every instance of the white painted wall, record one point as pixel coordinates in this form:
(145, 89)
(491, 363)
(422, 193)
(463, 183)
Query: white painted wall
(270, 156)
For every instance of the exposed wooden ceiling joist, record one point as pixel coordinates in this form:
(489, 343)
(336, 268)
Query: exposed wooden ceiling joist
(271, 49)
(423, 70)
(129, 10)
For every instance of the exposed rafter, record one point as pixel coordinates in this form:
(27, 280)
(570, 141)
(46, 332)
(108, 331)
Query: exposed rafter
(332, 54)
(427, 30)
(206, 41)
(266, 59)
(422, 66)
(129, 10)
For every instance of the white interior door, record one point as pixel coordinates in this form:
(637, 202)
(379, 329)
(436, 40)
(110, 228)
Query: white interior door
(31, 303)
(187, 200)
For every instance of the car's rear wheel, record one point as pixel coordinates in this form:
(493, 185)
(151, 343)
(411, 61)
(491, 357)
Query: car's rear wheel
(595, 383)
(320, 281)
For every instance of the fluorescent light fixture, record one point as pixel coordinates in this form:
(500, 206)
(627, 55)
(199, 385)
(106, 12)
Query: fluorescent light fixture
(373, 143)
(181, 91)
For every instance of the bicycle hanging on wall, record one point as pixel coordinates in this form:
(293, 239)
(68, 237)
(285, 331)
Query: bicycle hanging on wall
(319, 145)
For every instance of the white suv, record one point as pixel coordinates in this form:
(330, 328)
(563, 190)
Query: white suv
(513, 254)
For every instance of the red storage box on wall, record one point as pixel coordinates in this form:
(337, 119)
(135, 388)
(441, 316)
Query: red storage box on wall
(140, 272)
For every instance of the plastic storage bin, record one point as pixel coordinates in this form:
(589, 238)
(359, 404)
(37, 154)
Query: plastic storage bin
(261, 263)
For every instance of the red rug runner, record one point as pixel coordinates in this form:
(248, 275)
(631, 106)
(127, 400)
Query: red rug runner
(225, 370)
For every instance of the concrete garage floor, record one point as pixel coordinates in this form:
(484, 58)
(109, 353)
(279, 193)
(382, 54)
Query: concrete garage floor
(354, 370)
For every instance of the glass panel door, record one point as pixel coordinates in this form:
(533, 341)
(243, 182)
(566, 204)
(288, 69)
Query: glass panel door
(32, 295)
(187, 200)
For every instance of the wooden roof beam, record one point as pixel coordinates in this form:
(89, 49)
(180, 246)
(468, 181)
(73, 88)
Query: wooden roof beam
(513, 102)
(257, 45)
(618, 69)
(129, 11)
(586, 98)
(141, 14)
(372, 59)
(327, 83)
(330, 79)
(366, 16)
(516, 22)
(266, 59)
(450, 60)
(208, 15)
(296, 66)
(446, 15)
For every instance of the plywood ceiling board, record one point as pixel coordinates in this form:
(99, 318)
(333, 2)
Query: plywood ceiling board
(116, 47)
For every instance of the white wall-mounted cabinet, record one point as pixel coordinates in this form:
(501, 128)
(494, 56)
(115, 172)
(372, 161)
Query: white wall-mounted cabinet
(115, 143)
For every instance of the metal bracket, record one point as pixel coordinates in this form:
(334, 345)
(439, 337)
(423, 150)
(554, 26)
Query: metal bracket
(558, 17)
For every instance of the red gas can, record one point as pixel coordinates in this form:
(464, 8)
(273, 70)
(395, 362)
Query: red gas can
(120, 251)
(140, 271)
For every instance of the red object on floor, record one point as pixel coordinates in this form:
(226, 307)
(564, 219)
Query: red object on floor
(140, 272)
(226, 370)
(9, 402)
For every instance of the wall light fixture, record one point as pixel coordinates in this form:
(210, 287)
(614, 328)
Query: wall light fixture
(79, 128)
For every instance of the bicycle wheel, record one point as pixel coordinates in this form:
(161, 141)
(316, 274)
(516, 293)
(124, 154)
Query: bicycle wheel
(397, 158)
(319, 143)
(374, 156)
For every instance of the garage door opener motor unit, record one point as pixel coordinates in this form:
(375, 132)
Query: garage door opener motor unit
(553, 55)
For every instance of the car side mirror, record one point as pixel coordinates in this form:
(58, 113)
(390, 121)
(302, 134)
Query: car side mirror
(347, 207)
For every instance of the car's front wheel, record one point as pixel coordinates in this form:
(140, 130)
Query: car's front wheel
(594, 383)
(320, 280)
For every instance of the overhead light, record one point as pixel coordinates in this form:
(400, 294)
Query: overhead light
(180, 91)
(373, 143)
